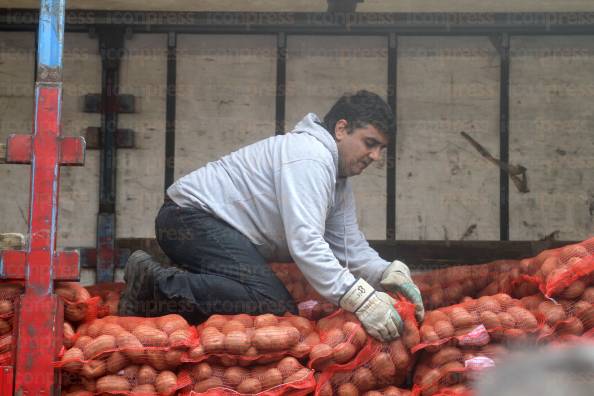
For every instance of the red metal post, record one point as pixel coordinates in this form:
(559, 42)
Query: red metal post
(40, 318)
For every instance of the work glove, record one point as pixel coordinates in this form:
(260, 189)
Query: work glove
(396, 279)
(374, 309)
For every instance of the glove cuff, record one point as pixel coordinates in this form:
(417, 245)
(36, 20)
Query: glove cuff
(397, 266)
(356, 296)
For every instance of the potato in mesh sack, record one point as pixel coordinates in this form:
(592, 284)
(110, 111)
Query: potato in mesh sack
(108, 344)
(564, 272)
(245, 339)
(343, 338)
(442, 371)
(309, 302)
(9, 295)
(476, 321)
(79, 306)
(287, 376)
(376, 367)
(130, 380)
(109, 295)
(448, 286)
(379, 367)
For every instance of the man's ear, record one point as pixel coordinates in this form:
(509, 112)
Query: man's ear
(341, 129)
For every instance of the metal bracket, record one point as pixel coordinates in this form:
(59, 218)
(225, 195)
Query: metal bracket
(516, 172)
(343, 5)
(124, 138)
(72, 150)
(88, 257)
(501, 43)
(13, 263)
(93, 32)
(128, 33)
(123, 104)
(171, 39)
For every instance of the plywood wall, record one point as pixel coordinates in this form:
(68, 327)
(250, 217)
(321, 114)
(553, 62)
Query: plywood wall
(17, 57)
(319, 71)
(552, 134)
(226, 87)
(445, 189)
(79, 186)
(141, 170)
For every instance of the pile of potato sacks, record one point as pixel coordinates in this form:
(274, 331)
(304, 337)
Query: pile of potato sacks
(476, 315)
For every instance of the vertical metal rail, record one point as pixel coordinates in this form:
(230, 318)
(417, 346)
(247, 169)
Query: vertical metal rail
(391, 152)
(111, 42)
(281, 81)
(504, 136)
(39, 308)
(39, 324)
(170, 109)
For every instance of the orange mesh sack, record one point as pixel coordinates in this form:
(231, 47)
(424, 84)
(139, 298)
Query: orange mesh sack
(374, 369)
(505, 276)
(10, 293)
(341, 338)
(244, 339)
(377, 366)
(132, 380)
(456, 390)
(295, 282)
(476, 322)
(562, 272)
(286, 376)
(440, 372)
(109, 295)
(362, 381)
(448, 286)
(311, 305)
(110, 344)
(563, 319)
(79, 306)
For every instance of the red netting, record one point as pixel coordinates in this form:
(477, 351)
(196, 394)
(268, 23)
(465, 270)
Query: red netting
(476, 321)
(79, 306)
(376, 366)
(456, 390)
(248, 339)
(443, 370)
(10, 293)
(311, 305)
(295, 282)
(107, 345)
(109, 294)
(341, 338)
(563, 319)
(562, 272)
(448, 286)
(285, 377)
(133, 381)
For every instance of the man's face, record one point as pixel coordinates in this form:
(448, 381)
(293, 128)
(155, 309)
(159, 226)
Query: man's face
(358, 149)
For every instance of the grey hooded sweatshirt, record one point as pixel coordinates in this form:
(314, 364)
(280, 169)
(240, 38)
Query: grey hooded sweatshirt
(284, 194)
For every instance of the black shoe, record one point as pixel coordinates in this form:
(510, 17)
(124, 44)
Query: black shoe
(140, 275)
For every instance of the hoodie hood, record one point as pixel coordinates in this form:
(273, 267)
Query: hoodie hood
(311, 124)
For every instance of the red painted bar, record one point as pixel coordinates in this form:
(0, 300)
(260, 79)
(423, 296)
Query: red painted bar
(38, 318)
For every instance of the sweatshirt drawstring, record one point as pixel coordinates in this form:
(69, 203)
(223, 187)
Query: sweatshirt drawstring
(346, 252)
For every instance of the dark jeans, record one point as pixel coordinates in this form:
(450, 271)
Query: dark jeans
(225, 273)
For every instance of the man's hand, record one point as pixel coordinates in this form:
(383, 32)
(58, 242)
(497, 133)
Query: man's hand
(396, 279)
(374, 309)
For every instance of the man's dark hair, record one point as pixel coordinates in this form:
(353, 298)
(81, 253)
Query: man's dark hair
(359, 110)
